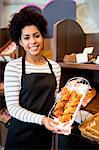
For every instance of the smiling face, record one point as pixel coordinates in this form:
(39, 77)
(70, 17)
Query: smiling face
(31, 40)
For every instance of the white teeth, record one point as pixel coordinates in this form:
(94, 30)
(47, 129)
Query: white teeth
(33, 48)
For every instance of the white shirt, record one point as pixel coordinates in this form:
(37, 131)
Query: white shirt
(12, 87)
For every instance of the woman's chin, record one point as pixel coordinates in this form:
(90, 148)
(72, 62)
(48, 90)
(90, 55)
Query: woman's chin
(35, 53)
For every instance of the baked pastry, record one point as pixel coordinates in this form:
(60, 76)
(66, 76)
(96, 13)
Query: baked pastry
(58, 112)
(65, 93)
(91, 93)
(90, 128)
(65, 117)
(61, 104)
(67, 104)
(69, 110)
(70, 58)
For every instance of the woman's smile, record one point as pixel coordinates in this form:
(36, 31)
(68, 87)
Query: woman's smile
(34, 48)
(32, 40)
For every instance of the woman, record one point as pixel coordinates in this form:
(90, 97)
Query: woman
(30, 83)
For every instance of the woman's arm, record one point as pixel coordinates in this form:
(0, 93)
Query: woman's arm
(57, 71)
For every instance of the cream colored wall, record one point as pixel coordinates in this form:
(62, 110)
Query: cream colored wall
(8, 10)
(12, 6)
(84, 16)
(87, 15)
(1, 16)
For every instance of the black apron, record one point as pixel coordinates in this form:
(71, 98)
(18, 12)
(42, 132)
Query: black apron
(36, 95)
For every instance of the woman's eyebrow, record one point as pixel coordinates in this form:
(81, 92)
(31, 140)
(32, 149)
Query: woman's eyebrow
(33, 34)
(36, 33)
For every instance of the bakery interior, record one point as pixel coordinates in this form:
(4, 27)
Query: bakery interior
(73, 42)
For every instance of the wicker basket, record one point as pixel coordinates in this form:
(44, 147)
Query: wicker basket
(90, 128)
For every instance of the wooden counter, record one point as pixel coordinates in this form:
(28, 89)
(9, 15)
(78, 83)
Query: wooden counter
(79, 66)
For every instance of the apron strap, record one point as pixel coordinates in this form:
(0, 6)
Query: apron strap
(23, 64)
(23, 67)
(50, 66)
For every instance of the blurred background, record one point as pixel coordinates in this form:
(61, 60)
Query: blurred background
(86, 12)
(87, 15)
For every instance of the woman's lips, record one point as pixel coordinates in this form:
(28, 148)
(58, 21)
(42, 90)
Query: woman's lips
(34, 48)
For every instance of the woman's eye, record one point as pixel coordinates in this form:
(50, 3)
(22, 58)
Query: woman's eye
(26, 38)
(37, 36)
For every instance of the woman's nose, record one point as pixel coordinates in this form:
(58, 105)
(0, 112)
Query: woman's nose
(32, 40)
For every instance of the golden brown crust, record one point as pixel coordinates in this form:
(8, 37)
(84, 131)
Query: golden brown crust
(91, 93)
(90, 127)
(65, 118)
(66, 105)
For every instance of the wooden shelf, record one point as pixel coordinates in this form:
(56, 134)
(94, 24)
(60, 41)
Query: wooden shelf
(79, 66)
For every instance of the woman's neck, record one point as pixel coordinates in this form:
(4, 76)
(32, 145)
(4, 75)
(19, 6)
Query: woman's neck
(37, 60)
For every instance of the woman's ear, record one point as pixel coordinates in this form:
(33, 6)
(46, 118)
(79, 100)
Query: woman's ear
(20, 42)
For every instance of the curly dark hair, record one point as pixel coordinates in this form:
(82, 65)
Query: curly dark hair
(26, 17)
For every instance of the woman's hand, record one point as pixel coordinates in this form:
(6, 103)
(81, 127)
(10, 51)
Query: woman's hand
(47, 122)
